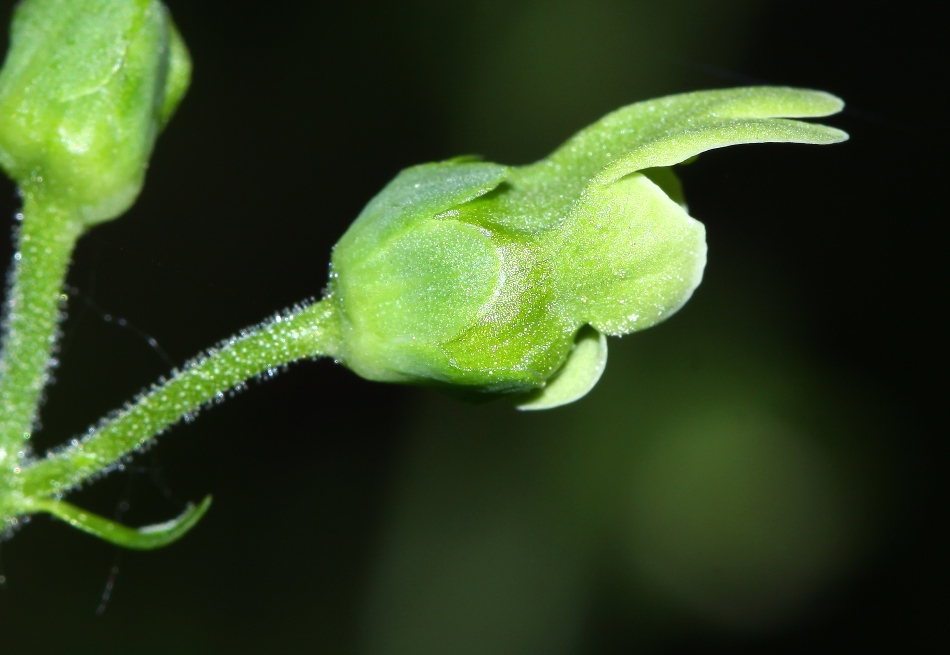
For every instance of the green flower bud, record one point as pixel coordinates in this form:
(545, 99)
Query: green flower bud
(86, 86)
(472, 275)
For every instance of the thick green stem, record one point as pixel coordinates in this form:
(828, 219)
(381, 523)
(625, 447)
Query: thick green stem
(307, 332)
(46, 241)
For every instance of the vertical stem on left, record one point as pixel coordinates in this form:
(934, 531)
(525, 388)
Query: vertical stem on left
(46, 238)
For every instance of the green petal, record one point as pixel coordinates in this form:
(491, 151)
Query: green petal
(670, 149)
(667, 180)
(144, 538)
(630, 128)
(627, 257)
(580, 373)
(657, 126)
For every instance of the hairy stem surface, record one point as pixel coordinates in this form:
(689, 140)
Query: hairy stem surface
(306, 332)
(46, 240)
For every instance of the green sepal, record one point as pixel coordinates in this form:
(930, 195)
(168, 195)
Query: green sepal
(581, 371)
(416, 194)
(144, 538)
(418, 291)
(517, 341)
(407, 277)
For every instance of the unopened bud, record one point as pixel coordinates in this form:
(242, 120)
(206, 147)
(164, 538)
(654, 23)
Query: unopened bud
(85, 89)
(475, 276)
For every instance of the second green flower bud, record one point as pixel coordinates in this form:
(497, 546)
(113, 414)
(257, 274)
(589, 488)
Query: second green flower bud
(494, 280)
(84, 91)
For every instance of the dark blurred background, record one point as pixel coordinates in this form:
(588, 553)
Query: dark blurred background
(765, 473)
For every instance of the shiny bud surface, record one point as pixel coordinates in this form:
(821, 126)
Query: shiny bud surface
(481, 277)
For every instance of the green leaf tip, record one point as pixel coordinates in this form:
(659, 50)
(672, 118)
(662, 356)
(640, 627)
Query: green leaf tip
(474, 276)
(85, 89)
(145, 538)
